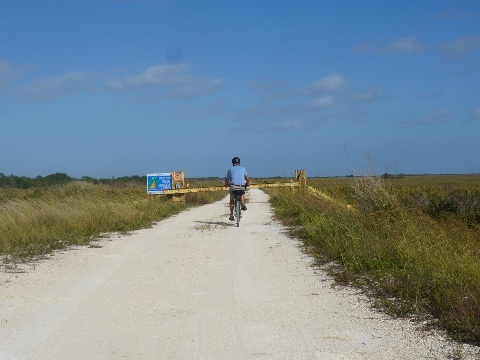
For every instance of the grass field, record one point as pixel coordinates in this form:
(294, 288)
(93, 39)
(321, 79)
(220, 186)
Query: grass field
(38, 220)
(412, 243)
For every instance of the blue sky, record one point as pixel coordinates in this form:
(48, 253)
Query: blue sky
(110, 88)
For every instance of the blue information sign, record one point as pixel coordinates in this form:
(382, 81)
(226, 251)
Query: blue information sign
(156, 183)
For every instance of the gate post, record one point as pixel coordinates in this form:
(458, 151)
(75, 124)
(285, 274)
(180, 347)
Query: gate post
(178, 180)
(301, 176)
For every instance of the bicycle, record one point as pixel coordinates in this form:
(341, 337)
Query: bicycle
(238, 191)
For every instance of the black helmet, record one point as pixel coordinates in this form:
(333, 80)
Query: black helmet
(236, 160)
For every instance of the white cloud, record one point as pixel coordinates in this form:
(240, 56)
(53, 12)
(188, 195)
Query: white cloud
(369, 95)
(157, 75)
(50, 88)
(174, 76)
(7, 70)
(405, 45)
(475, 114)
(197, 87)
(435, 118)
(455, 14)
(463, 44)
(262, 86)
(321, 102)
(328, 84)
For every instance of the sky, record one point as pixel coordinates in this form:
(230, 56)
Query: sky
(111, 88)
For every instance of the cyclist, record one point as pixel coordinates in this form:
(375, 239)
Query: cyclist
(236, 177)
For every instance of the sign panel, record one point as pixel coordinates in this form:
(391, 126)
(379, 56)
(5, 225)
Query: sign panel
(156, 183)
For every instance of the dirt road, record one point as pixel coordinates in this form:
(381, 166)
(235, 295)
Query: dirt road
(197, 287)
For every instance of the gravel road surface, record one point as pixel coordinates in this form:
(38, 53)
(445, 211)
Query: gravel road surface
(196, 287)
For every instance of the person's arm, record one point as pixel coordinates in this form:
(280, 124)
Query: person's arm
(227, 178)
(247, 180)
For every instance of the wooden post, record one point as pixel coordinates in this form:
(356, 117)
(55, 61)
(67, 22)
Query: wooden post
(178, 180)
(301, 176)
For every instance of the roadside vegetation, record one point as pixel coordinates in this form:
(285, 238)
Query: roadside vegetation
(37, 216)
(412, 243)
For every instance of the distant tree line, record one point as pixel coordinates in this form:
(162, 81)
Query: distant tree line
(23, 182)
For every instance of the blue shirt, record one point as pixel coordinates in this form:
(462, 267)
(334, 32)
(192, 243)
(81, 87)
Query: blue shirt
(236, 175)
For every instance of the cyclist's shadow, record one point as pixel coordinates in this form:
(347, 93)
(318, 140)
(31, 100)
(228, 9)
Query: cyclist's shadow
(219, 223)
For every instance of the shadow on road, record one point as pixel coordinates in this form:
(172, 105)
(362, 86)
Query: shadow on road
(220, 223)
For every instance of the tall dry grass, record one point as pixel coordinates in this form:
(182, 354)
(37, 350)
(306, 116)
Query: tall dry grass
(37, 221)
(415, 249)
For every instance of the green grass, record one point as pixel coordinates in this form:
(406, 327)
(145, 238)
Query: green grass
(36, 221)
(414, 246)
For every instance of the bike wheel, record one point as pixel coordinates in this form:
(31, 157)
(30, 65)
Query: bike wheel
(237, 212)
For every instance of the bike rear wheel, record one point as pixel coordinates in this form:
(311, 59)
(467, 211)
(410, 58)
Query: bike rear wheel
(238, 211)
